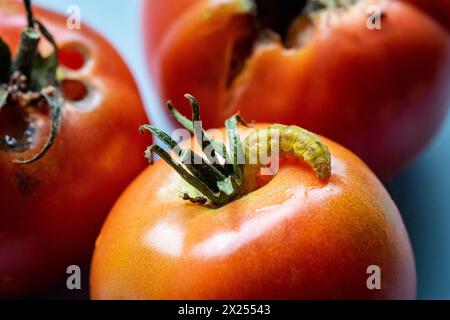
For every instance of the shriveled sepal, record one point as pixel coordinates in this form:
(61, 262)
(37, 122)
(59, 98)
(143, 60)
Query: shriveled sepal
(29, 76)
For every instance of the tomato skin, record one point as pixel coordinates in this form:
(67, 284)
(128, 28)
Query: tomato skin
(360, 87)
(294, 238)
(51, 210)
(438, 9)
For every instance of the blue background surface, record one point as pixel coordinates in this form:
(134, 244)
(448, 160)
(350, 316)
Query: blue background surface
(421, 191)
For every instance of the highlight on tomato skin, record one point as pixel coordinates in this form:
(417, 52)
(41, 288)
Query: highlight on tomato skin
(52, 203)
(297, 235)
(327, 71)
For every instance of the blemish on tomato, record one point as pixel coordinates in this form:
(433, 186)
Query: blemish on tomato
(26, 184)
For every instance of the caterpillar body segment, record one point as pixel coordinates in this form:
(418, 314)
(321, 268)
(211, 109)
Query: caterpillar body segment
(261, 144)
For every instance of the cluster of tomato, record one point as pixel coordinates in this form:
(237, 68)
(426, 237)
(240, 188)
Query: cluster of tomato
(69, 146)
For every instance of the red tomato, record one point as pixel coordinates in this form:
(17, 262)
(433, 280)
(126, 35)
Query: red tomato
(51, 210)
(438, 9)
(381, 93)
(292, 237)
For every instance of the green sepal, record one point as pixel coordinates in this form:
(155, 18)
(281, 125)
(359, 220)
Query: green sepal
(236, 148)
(192, 161)
(44, 69)
(218, 183)
(218, 147)
(186, 175)
(226, 186)
(43, 72)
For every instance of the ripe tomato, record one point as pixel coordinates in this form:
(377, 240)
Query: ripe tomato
(51, 210)
(438, 9)
(291, 237)
(383, 93)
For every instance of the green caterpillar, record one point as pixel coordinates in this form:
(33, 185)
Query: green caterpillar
(288, 140)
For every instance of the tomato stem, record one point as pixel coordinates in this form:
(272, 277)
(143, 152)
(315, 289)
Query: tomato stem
(28, 47)
(29, 10)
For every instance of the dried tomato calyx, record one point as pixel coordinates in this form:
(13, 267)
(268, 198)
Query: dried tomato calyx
(30, 78)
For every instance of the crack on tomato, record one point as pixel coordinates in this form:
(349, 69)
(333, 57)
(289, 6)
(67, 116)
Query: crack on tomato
(278, 15)
(273, 21)
(242, 50)
(286, 22)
